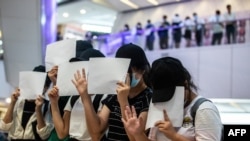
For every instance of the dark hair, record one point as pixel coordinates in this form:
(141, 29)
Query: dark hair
(228, 6)
(217, 12)
(138, 59)
(41, 68)
(164, 17)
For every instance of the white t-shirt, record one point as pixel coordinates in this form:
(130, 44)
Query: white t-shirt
(217, 22)
(208, 125)
(78, 127)
(229, 17)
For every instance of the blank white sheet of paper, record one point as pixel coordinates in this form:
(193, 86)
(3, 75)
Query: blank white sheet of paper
(31, 84)
(104, 73)
(66, 73)
(174, 108)
(59, 52)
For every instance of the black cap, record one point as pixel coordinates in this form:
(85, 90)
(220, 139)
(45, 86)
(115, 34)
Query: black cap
(39, 68)
(166, 73)
(135, 53)
(88, 53)
(81, 46)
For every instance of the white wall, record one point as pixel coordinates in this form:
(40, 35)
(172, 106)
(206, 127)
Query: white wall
(21, 36)
(203, 8)
(219, 71)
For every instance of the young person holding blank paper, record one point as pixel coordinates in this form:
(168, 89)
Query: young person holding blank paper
(134, 91)
(24, 119)
(165, 75)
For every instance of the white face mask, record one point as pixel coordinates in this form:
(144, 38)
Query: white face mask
(134, 81)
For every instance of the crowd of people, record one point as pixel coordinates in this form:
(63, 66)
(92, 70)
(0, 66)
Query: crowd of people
(193, 28)
(109, 117)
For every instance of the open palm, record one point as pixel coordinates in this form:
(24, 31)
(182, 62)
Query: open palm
(80, 82)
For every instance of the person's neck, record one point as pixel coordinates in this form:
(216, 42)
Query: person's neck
(191, 97)
(134, 91)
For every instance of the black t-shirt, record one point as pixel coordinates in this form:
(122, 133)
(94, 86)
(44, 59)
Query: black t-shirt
(116, 129)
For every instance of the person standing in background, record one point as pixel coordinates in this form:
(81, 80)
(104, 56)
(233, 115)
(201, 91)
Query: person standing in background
(217, 28)
(125, 32)
(198, 29)
(176, 23)
(230, 21)
(150, 37)
(138, 34)
(188, 24)
(163, 33)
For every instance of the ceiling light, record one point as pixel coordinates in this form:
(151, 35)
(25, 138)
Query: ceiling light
(1, 42)
(8, 100)
(65, 15)
(154, 2)
(82, 11)
(129, 3)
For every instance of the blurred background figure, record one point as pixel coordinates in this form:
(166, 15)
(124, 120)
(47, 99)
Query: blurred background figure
(150, 37)
(188, 24)
(138, 34)
(230, 20)
(176, 31)
(198, 29)
(163, 33)
(217, 28)
(125, 33)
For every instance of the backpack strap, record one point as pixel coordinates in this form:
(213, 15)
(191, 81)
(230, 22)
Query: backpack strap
(196, 106)
(73, 100)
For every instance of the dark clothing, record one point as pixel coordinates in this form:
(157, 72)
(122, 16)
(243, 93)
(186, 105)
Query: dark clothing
(217, 38)
(163, 35)
(188, 34)
(177, 32)
(139, 31)
(150, 38)
(198, 37)
(230, 32)
(116, 129)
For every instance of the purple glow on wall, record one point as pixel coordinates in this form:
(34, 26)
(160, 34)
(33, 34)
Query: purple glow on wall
(48, 23)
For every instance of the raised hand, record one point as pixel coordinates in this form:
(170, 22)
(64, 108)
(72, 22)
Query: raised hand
(39, 101)
(166, 126)
(132, 124)
(54, 95)
(52, 74)
(80, 82)
(15, 95)
(123, 88)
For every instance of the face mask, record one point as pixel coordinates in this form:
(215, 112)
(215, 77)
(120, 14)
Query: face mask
(134, 81)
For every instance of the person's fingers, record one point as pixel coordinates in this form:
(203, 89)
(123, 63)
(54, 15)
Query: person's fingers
(157, 123)
(129, 113)
(83, 74)
(166, 118)
(127, 82)
(133, 112)
(74, 82)
(78, 74)
(124, 122)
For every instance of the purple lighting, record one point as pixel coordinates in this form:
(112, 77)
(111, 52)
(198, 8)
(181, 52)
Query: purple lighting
(48, 23)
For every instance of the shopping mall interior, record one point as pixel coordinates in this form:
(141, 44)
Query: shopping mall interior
(221, 70)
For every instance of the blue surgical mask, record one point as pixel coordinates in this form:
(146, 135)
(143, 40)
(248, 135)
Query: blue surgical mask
(134, 81)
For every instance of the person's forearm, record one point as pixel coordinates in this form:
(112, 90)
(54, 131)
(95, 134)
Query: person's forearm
(40, 120)
(9, 114)
(123, 104)
(58, 121)
(94, 124)
(141, 137)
